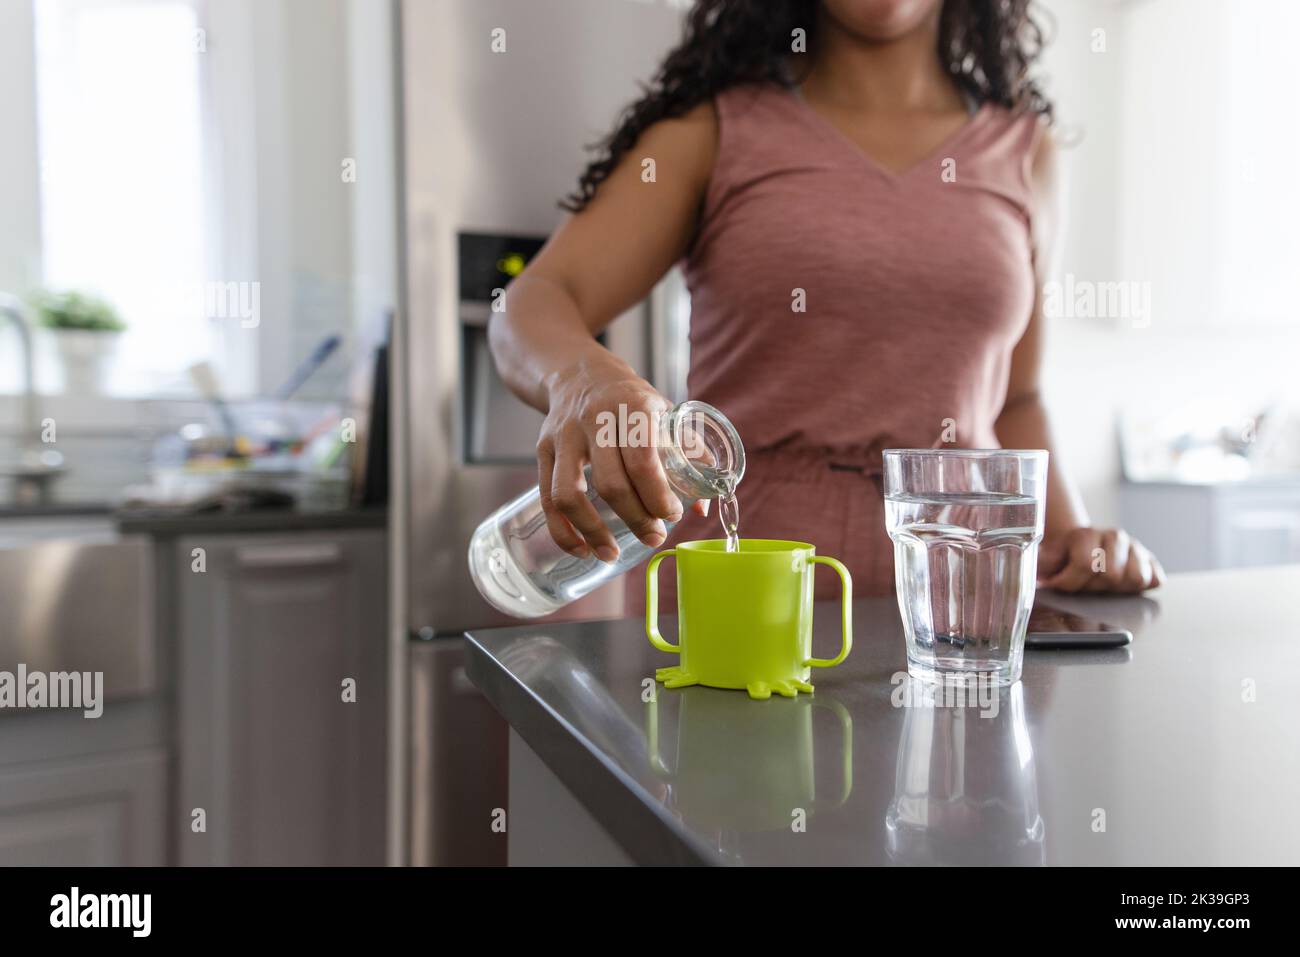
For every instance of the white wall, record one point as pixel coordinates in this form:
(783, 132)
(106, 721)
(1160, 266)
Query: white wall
(1095, 367)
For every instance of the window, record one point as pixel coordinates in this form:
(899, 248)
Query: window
(119, 116)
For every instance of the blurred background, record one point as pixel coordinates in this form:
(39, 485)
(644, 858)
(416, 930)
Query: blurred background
(248, 420)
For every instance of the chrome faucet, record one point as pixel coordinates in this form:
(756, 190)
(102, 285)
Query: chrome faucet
(36, 468)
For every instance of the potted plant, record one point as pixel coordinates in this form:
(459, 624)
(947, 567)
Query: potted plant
(86, 332)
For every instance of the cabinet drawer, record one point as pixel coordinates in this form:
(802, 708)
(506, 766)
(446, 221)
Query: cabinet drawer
(103, 811)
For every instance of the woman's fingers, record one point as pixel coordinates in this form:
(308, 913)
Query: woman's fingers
(1138, 573)
(641, 462)
(615, 487)
(569, 495)
(628, 475)
(1104, 560)
(1077, 571)
(561, 529)
(1151, 574)
(1109, 560)
(1053, 554)
(1157, 572)
(604, 416)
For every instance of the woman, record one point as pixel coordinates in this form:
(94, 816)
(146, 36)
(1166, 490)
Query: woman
(864, 225)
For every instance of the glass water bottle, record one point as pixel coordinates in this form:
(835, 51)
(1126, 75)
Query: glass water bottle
(519, 569)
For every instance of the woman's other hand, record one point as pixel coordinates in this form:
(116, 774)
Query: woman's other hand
(1097, 560)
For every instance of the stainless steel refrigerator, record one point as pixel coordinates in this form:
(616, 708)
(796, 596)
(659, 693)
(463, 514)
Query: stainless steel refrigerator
(498, 99)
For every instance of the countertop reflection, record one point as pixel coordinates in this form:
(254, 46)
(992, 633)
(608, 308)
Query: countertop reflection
(1181, 749)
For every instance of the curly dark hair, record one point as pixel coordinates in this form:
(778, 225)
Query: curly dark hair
(988, 46)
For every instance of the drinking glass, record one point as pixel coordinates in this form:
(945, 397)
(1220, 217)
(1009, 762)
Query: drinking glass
(966, 524)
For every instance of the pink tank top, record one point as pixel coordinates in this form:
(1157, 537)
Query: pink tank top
(838, 309)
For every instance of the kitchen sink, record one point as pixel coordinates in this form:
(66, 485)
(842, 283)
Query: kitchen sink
(77, 596)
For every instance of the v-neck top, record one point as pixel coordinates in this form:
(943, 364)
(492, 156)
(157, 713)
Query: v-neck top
(838, 309)
(837, 305)
(926, 162)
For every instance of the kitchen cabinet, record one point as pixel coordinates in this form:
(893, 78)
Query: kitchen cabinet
(79, 789)
(98, 811)
(1202, 527)
(282, 665)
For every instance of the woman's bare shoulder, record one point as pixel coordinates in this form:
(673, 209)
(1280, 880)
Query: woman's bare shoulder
(686, 144)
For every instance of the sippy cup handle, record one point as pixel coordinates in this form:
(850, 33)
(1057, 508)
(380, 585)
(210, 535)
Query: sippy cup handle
(846, 613)
(652, 604)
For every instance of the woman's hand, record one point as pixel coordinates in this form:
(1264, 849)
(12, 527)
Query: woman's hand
(628, 476)
(1097, 559)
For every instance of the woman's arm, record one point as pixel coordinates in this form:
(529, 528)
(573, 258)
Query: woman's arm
(601, 262)
(1074, 556)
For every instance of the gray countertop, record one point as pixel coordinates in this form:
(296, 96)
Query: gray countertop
(163, 523)
(55, 510)
(1183, 749)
